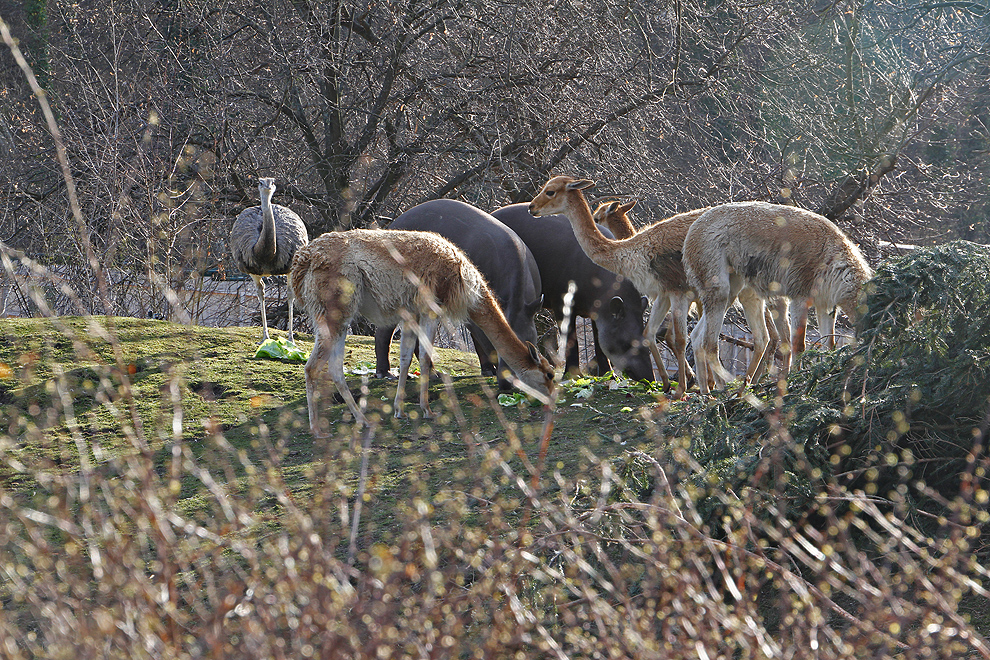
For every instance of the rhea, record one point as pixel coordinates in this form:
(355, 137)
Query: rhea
(406, 278)
(263, 241)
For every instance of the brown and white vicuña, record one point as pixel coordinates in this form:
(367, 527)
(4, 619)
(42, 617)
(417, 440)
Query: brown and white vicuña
(650, 259)
(406, 278)
(760, 251)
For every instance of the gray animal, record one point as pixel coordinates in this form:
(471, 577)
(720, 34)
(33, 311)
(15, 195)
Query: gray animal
(611, 302)
(263, 240)
(499, 255)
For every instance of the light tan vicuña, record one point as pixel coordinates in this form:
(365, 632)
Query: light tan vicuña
(615, 216)
(405, 278)
(788, 317)
(650, 259)
(771, 250)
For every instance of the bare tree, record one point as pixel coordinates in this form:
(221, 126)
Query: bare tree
(171, 111)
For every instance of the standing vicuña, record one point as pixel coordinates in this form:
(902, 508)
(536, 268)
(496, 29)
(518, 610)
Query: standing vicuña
(650, 259)
(262, 242)
(770, 250)
(407, 278)
(791, 315)
(615, 216)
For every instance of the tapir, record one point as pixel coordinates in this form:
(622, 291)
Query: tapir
(612, 303)
(500, 255)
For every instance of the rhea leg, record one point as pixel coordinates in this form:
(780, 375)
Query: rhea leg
(261, 296)
(291, 299)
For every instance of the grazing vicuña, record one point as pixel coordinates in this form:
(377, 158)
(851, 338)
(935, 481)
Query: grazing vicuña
(409, 278)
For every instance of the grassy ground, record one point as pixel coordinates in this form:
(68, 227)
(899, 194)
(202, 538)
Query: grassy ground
(135, 384)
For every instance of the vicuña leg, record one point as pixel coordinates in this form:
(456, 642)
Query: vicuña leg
(826, 325)
(704, 339)
(756, 315)
(425, 331)
(658, 310)
(328, 352)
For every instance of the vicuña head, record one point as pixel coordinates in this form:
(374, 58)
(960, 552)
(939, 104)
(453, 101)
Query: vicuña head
(557, 195)
(615, 216)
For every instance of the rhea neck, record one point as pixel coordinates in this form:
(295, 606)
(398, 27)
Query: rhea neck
(266, 245)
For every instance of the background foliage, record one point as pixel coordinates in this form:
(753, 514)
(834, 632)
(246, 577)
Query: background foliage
(874, 113)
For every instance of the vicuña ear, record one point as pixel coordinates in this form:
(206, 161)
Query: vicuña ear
(533, 353)
(580, 184)
(611, 208)
(625, 208)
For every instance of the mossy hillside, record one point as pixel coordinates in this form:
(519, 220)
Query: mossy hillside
(133, 383)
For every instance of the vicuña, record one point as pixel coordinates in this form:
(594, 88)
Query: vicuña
(409, 278)
(650, 259)
(767, 251)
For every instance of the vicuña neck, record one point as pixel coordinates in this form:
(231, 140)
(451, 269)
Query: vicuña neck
(596, 245)
(620, 226)
(488, 316)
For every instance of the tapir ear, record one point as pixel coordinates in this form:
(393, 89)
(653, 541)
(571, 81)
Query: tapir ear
(580, 184)
(627, 207)
(535, 306)
(616, 307)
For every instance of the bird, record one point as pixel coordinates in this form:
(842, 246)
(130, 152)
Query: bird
(263, 241)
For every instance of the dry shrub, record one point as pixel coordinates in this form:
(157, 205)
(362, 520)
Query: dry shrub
(179, 553)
